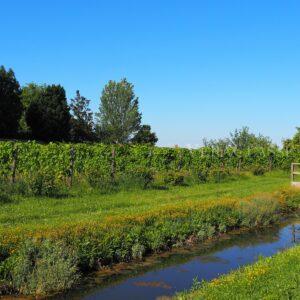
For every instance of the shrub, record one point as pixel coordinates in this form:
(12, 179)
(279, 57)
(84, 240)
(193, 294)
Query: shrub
(202, 175)
(43, 269)
(4, 198)
(174, 178)
(138, 251)
(258, 211)
(289, 199)
(43, 184)
(146, 175)
(101, 181)
(218, 175)
(258, 171)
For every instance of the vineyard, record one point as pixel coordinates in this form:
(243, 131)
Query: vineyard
(65, 163)
(56, 240)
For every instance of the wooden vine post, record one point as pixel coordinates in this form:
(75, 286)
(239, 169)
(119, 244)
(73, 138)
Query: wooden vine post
(72, 162)
(271, 161)
(113, 164)
(14, 165)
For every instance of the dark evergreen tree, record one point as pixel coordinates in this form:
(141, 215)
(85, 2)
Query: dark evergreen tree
(82, 124)
(145, 136)
(48, 116)
(10, 103)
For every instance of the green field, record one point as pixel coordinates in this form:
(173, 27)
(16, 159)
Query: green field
(88, 205)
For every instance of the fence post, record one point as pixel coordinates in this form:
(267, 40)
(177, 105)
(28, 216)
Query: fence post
(14, 165)
(72, 161)
(270, 161)
(179, 167)
(113, 164)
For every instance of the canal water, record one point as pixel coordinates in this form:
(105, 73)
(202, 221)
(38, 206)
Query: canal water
(174, 271)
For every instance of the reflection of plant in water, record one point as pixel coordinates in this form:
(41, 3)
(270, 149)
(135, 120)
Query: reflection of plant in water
(156, 284)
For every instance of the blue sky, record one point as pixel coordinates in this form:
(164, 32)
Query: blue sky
(200, 68)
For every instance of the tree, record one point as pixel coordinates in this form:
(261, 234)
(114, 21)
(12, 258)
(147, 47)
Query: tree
(10, 103)
(119, 117)
(242, 139)
(294, 141)
(82, 124)
(30, 93)
(220, 144)
(145, 136)
(48, 116)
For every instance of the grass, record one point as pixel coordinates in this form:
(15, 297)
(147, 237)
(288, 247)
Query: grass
(88, 205)
(276, 277)
(96, 229)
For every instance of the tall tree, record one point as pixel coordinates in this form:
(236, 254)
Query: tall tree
(119, 117)
(82, 124)
(48, 116)
(30, 93)
(10, 103)
(145, 136)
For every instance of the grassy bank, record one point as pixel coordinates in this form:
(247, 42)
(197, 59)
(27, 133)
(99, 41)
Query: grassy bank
(46, 243)
(275, 277)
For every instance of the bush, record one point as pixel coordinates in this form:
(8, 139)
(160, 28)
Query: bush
(289, 199)
(138, 251)
(4, 198)
(217, 175)
(202, 175)
(145, 175)
(259, 211)
(43, 268)
(174, 178)
(43, 184)
(258, 171)
(100, 180)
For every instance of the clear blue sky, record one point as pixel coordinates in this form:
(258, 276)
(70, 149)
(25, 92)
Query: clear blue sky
(200, 68)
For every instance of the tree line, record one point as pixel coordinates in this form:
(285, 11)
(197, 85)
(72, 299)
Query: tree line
(42, 112)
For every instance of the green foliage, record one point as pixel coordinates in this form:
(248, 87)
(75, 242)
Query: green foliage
(294, 142)
(218, 175)
(100, 164)
(119, 116)
(43, 184)
(42, 268)
(82, 124)
(10, 103)
(242, 139)
(100, 180)
(259, 211)
(102, 229)
(258, 171)
(30, 94)
(145, 136)
(144, 175)
(4, 197)
(48, 114)
(174, 178)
